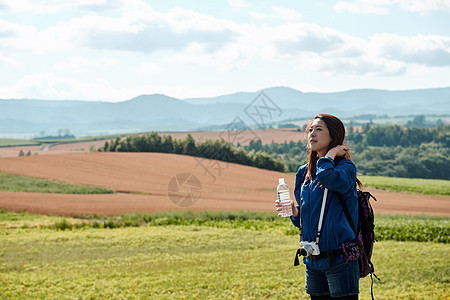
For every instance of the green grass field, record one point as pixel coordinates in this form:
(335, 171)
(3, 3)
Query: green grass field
(21, 142)
(408, 185)
(163, 261)
(15, 183)
(17, 142)
(78, 139)
(418, 228)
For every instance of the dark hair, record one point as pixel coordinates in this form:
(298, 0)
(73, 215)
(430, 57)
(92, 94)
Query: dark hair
(337, 135)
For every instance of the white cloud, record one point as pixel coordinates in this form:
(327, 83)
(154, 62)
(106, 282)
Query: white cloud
(80, 64)
(424, 7)
(54, 6)
(199, 38)
(203, 40)
(149, 32)
(257, 16)
(304, 37)
(9, 61)
(15, 37)
(238, 4)
(426, 50)
(38, 85)
(361, 66)
(185, 39)
(364, 6)
(51, 87)
(140, 31)
(227, 58)
(286, 14)
(321, 49)
(149, 67)
(382, 55)
(383, 6)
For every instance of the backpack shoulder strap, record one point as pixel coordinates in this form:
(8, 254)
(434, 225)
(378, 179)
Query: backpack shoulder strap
(347, 212)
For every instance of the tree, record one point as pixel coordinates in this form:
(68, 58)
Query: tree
(365, 127)
(114, 144)
(417, 121)
(241, 156)
(141, 144)
(189, 147)
(106, 147)
(350, 131)
(256, 145)
(167, 144)
(154, 142)
(178, 146)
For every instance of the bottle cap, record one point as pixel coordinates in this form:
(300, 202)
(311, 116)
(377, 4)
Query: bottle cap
(281, 180)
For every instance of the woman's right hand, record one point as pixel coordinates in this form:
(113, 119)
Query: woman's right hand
(278, 208)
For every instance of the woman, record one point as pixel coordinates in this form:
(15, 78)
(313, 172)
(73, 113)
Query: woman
(329, 275)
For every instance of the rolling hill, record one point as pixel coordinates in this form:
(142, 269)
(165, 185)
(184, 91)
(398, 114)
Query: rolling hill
(145, 182)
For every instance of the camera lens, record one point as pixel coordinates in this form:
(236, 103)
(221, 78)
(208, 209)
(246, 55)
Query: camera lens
(303, 252)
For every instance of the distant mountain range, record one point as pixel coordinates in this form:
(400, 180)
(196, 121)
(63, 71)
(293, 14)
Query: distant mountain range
(268, 107)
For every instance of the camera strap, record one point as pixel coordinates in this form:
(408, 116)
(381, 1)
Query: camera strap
(322, 212)
(319, 229)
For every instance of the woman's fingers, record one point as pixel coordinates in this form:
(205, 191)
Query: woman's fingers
(278, 206)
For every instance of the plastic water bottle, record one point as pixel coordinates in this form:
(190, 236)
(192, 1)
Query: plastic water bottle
(284, 198)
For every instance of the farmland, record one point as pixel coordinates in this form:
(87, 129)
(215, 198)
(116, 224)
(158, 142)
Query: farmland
(11, 147)
(136, 243)
(16, 142)
(17, 183)
(141, 182)
(408, 185)
(190, 262)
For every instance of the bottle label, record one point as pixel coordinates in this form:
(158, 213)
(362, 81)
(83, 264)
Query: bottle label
(284, 196)
(285, 201)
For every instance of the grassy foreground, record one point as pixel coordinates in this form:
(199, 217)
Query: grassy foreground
(418, 228)
(190, 262)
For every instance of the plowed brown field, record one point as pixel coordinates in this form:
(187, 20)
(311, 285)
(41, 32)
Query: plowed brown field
(142, 180)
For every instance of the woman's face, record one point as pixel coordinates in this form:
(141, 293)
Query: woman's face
(319, 137)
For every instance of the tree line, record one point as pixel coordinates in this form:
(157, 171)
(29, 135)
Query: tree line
(394, 135)
(390, 150)
(413, 152)
(218, 149)
(381, 151)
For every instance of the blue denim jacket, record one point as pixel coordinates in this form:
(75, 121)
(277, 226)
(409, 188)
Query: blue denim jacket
(335, 229)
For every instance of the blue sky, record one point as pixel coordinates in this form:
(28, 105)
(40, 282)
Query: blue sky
(114, 50)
